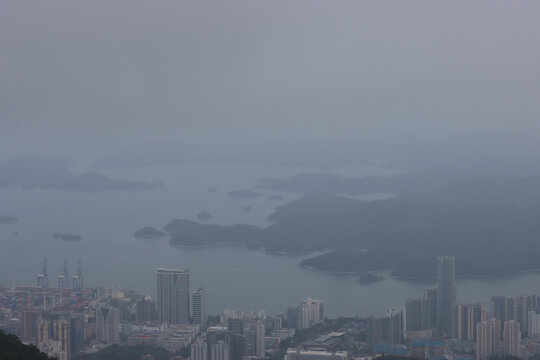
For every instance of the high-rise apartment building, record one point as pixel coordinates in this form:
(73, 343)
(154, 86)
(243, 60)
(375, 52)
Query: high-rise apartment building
(107, 320)
(61, 333)
(488, 339)
(522, 304)
(43, 332)
(292, 317)
(514, 308)
(499, 308)
(308, 313)
(220, 351)
(199, 350)
(259, 342)
(396, 325)
(320, 304)
(145, 310)
(198, 305)
(173, 296)
(446, 294)
(238, 346)
(465, 317)
(236, 326)
(418, 314)
(534, 324)
(511, 337)
(431, 294)
(57, 344)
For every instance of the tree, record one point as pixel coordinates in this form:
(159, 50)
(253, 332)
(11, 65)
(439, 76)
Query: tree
(11, 348)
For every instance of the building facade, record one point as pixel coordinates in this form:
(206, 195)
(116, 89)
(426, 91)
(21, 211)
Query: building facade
(446, 294)
(511, 338)
(173, 296)
(199, 306)
(488, 339)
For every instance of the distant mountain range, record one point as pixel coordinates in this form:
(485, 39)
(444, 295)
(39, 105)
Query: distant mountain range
(408, 182)
(490, 223)
(490, 152)
(53, 173)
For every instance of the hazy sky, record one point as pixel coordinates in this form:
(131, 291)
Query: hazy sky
(78, 73)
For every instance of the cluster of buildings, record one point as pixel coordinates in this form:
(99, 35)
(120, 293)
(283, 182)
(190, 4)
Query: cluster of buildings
(69, 319)
(436, 325)
(254, 335)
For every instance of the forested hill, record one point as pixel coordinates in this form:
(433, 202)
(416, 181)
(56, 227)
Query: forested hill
(490, 223)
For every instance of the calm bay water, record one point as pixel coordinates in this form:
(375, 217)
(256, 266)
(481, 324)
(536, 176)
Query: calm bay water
(235, 278)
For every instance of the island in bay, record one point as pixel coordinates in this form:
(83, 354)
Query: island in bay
(486, 217)
(149, 232)
(67, 237)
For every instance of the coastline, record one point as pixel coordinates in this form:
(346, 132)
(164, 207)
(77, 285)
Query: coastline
(426, 278)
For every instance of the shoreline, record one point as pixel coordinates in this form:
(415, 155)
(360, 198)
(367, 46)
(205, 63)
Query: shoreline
(431, 278)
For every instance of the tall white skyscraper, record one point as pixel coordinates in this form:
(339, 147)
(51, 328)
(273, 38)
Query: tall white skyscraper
(173, 296)
(198, 305)
(511, 337)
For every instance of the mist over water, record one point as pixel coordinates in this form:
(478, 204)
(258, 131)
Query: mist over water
(235, 277)
(278, 117)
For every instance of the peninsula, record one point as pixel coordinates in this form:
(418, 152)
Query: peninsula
(149, 232)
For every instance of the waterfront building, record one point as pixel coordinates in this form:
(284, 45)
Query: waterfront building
(173, 296)
(308, 313)
(465, 317)
(446, 294)
(418, 314)
(199, 306)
